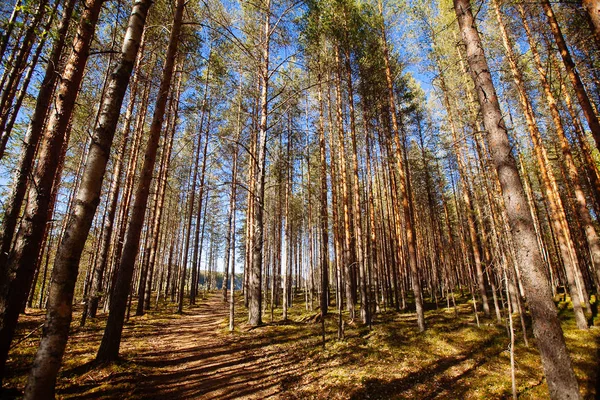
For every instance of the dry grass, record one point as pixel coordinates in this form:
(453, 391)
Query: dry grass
(165, 355)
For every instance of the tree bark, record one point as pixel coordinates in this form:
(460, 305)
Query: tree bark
(562, 383)
(42, 378)
(582, 96)
(111, 341)
(255, 273)
(21, 263)
(592, 7)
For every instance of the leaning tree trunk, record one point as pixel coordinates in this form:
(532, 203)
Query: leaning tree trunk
(592, 7)
(548, 181)
(9, 27)
(25, 164)
(562, 383)
(21, 262)
(16, 72)
(582, 96)
(42, 378)
(111, 341)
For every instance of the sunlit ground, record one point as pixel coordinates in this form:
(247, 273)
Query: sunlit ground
(165, 355)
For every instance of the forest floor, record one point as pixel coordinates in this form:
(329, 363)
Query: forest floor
(169, 356)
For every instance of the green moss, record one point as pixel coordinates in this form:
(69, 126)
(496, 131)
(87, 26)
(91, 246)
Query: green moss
(453, 359)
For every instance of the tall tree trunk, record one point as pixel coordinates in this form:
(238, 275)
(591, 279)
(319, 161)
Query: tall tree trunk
(230, 244)
(111, 341)
(557, 211)
(42, 378)
(35, 128)
(287, 269)
(197, 253)
(359, 242)
(323, 215)
(556, 361)
(255, 273)
(10, 25)
(406, 204)
(346, 206)
(582, 96)
(21, 263)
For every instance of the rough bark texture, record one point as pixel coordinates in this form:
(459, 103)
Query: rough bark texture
(111, 341)
(255, 273)
(42, 378)
(592, 7)
(21, 262)
(582, 97)
(556, 361)
(32, 138)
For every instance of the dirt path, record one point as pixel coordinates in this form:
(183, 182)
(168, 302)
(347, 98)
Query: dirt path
(191, 357)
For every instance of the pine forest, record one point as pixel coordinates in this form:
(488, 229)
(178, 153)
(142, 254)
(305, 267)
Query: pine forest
(299, 199)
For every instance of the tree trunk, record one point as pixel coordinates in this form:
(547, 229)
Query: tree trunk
(592, 7)
(9, 27)
(111, 341)
(556, 361)
(21, 262)
(406, 205)
(255, 273)
(582, 96)
(347, 244)
(359, 242)
(323, 216)
(47, 361)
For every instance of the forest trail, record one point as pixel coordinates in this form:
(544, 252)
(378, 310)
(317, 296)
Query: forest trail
(166, 356)
(192, 357)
